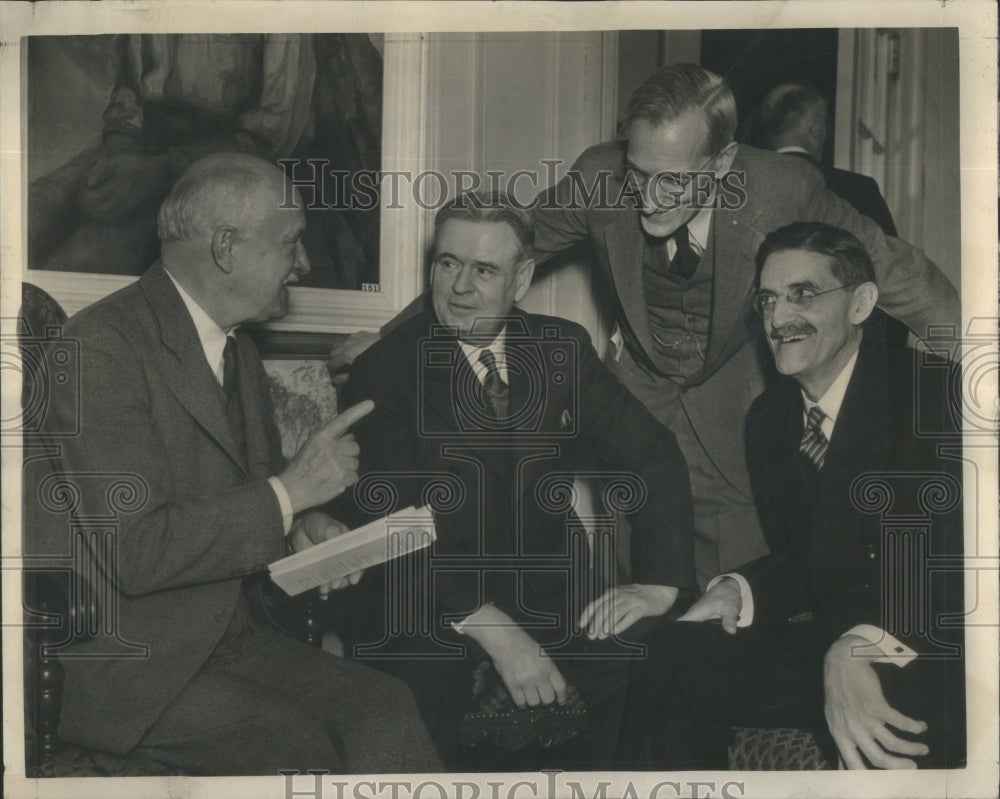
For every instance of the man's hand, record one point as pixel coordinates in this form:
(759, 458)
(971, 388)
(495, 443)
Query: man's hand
(327, 463)
(619, 608)
(121, 180)
(857, 713)
(722, 601)
(530, 676)
(342, 355)
(313, 528)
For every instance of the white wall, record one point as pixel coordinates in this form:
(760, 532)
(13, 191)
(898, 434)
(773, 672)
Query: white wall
(505, 102)
(902, 86)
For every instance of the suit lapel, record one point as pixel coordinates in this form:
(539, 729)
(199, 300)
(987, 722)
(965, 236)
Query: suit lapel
(182, 362)
(861, 435)
(624, 242)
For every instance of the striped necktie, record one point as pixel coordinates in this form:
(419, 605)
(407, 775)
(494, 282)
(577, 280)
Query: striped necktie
(496, 390)
(814, 441)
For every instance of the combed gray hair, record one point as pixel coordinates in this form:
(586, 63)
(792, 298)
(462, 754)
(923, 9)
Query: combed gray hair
(210, 186)
(677, 88)
(485, 206)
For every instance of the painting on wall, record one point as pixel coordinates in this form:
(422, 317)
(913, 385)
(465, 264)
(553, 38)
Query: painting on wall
(112, 120)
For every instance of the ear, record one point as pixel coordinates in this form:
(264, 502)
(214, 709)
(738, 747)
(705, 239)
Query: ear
(724, 160)
(525, 270)
(223, 241)
(865, 297)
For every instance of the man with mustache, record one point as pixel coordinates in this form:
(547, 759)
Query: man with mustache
(673, 245)
(843, 628)
(673, 213)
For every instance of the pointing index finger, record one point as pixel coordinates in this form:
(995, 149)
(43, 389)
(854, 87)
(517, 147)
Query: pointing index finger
(340, 423)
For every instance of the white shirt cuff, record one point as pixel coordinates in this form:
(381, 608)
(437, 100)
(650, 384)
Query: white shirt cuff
(894, 650)
(745, 619)
(459, 626)
(284, 502)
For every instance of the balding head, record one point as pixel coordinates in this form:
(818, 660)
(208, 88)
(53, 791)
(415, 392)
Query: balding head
(794, 115)
(214, 190)
(229, 238)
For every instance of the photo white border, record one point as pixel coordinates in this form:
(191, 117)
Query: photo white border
(976, 20)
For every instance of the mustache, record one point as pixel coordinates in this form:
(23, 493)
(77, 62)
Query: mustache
(802, 328)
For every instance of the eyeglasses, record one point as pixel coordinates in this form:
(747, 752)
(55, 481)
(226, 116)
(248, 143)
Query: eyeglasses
(798, 299)
(667, 184)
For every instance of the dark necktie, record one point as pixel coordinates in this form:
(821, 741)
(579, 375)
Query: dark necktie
(685, 261)
(230, 368)
(814, 441)
(230, 387)
(496, 390)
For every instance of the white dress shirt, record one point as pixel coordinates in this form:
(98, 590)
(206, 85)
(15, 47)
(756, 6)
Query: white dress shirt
(213, 344)
(499, 350)
(894, 650)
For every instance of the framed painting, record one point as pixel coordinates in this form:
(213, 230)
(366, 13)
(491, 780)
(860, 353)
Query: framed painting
(110, 120)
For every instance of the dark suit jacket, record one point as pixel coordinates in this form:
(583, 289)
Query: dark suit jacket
(838, 549)
(506, 489)
(778, 191)
(202, 516)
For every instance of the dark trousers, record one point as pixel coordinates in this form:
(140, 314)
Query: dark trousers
(442, 684)
(697, 682)
(264, 701)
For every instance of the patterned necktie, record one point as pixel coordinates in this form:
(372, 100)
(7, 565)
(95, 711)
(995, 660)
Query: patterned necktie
(685, 261)
(496, 390)
(814, 441)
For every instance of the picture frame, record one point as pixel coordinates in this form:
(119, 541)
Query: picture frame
(317, 311)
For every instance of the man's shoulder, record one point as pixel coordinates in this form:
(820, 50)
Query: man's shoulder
(924, 392)
(122, 314)
(604, 156)
(544, 327)
(844, 177)
(774, 403)
(781, 166)
(397, 347)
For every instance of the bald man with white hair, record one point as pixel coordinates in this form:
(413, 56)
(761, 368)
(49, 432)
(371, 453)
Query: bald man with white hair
(174, 398)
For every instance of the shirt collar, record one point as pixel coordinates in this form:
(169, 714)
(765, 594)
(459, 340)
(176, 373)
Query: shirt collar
(831, 401)
(499, 350)
(211, 336)
(698, 228)
(794, 148)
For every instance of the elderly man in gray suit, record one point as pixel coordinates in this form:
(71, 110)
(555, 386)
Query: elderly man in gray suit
(174, 394)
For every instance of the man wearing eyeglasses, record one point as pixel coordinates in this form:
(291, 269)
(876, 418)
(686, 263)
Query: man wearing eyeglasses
(844, 627)
(676, 213)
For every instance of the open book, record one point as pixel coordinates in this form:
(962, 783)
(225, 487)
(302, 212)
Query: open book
(402, 532)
